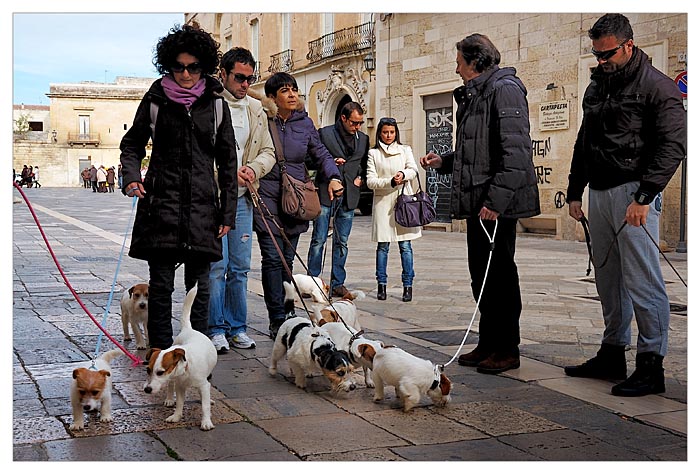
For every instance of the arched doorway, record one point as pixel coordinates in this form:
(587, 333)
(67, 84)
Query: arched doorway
(341, 103)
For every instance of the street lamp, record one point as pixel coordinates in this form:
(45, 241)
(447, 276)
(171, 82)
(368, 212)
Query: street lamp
(370, 64)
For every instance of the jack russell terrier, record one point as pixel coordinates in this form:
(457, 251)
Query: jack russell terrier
(410, 376)
(344, 308)
(355, 344)
(312, 286)
(134, 305)
(308, 347)
(188, 362)
(92, 388)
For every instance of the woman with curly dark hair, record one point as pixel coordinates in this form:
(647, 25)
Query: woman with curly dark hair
(185, 206)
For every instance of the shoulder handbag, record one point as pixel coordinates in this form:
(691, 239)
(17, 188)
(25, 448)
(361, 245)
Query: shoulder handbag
(413, 210)
(298, 199)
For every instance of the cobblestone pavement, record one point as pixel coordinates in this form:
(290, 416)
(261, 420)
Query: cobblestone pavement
(532, 413)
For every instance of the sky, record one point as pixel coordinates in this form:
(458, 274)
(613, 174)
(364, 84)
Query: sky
(74, 47)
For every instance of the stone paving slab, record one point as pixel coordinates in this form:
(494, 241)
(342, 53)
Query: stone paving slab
(121, 447)
(357, 434)
(234, 441)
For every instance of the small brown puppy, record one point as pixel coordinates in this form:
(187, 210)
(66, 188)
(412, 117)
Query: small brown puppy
(92, 388)
(134, 305)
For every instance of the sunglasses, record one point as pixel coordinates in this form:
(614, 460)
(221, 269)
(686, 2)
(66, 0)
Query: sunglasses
(387, 120)
(605, 55)
(356, 123)
(240, 78)
(194, 68)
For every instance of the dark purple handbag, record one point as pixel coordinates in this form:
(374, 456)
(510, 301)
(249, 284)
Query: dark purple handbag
(413, 210)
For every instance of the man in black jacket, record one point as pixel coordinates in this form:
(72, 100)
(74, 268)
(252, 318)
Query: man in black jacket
(349, 147)
(631, 141)
(493, 184)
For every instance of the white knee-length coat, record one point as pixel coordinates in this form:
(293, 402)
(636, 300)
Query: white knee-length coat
(382, 164)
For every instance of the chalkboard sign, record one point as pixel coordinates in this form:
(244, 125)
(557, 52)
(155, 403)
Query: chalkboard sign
(438, 139)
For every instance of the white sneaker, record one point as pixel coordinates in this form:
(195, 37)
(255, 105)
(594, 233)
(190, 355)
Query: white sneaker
(220, 343)
(242, 341)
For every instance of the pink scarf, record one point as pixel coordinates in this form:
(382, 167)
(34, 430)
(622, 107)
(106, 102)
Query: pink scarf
(179, 94)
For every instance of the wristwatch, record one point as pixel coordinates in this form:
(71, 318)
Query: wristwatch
(643, 198)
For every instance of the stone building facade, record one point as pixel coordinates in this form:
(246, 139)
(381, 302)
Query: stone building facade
(415, 74)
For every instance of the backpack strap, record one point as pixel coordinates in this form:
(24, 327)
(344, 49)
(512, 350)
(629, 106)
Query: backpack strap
(154, 117)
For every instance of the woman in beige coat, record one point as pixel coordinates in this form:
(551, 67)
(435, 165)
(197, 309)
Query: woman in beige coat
(391, 164)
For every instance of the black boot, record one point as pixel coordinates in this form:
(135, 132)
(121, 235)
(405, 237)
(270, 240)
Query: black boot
(407, 294)
(381, 291)
(609, 363)
(647, 378)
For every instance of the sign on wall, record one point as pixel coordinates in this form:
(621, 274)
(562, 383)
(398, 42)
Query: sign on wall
(554, 115)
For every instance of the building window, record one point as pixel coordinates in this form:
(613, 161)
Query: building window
(36, 126)
(84, 126)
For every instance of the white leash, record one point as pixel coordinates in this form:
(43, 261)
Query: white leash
(492, 241)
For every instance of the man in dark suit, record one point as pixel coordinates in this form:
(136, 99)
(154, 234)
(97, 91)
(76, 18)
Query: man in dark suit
(349, 146)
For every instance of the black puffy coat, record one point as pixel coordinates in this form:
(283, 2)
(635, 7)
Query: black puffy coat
(178, 219)
(633, 129)
(492, 162)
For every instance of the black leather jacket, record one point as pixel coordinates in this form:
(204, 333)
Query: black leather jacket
(633, 129)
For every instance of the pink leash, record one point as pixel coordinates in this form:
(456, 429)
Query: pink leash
(135, 359)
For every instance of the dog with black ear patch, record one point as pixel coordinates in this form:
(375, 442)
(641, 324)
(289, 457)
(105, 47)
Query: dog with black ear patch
(307, 348)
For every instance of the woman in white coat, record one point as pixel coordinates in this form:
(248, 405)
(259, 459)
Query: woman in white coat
(391, 164)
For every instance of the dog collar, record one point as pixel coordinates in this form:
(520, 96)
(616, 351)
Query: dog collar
(353, 338)
(436, 381)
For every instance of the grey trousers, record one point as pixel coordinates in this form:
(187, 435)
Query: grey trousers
(629, 282)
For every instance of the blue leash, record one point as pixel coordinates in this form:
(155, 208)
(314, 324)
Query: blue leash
(114, 281)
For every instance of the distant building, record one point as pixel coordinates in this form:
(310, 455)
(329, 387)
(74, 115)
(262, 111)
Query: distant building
(82, 126)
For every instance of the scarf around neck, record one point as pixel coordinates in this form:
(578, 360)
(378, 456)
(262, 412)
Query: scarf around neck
(179, 94)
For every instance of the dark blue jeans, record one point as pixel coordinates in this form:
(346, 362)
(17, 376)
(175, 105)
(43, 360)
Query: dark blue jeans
(160, 299)
(342, 225)
(274, 273)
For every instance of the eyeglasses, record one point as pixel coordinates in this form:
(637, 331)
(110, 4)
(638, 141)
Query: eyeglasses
(387, 120)
(240, 78)
(605, 55)
(194, 68)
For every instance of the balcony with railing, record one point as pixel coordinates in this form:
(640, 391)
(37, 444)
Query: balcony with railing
(347, 40)
(282, 62)
(84, 139)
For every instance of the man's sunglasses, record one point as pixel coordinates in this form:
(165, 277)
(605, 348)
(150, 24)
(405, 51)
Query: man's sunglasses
(605, 55)
(240, 78)
(193, 68)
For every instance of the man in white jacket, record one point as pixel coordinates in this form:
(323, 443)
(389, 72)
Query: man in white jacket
(229, 276)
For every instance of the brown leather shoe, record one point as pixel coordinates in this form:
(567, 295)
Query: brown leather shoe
(498, 362)
(340, 291)
(473, 358)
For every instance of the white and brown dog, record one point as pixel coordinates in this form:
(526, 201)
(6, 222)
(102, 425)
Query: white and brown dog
(360, 349)
(134, 305)
(410, 376)
(311, 286)
(92, 388)
(188, 362)
(344, 309)
(307, 348)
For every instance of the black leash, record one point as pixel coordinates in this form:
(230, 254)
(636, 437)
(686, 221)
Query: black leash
(584, 223)
(258, 203)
